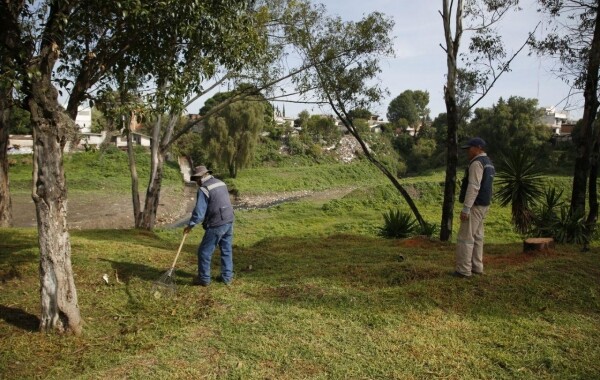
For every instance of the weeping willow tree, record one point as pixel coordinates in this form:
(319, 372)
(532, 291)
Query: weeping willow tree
(231, 135)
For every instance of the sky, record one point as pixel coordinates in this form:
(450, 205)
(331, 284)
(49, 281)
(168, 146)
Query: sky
(420, 62)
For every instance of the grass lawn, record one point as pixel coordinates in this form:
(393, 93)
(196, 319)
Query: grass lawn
(317, 295)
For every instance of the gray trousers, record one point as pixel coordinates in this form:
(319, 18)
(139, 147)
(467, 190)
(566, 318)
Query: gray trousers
(469, 242)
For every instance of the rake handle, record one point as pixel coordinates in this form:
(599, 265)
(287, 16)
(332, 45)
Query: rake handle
(179, 250)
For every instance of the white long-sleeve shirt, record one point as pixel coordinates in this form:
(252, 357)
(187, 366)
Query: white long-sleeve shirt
(475, 176)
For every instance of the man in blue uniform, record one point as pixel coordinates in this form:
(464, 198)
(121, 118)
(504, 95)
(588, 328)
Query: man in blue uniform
(476, 196)
(213, 209)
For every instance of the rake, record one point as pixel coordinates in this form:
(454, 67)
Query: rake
(165, 285)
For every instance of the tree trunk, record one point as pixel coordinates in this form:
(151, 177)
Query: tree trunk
(135, 194)
(590, 108)
(450, 179)
(60, 311)
(5, 199)
(452, 47)
(157, 159)
(148, 217)
(413, 207)
(592, 217)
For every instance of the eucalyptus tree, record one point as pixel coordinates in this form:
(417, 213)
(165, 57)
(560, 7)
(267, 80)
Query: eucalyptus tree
(484, 65)
(344, 62)
(261, 40)
(78, 44)
(232, 39)
(574, 39)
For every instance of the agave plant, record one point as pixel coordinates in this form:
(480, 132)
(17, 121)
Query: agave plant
(546, 214)
(519, 182)
(571, 227)
(398, 224)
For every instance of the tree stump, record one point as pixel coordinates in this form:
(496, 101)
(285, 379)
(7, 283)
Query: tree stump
(537, 244)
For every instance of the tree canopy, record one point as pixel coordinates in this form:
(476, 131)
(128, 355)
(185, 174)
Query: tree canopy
(510, 125)
(231, 135)
(409, 105)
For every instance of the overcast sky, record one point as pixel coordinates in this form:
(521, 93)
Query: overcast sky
(420, 62)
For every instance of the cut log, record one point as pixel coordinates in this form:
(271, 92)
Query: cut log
(537, 244)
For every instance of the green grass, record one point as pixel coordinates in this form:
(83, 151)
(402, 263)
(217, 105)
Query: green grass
(317, 295)
(340, 306)
(94, 171)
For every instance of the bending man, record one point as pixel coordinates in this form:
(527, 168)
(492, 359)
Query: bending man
(213, 209)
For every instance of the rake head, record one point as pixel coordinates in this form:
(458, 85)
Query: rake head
(165, 285)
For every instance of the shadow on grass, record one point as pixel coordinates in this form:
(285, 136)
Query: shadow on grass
(18, 245)
(127, 270)
(19, 318)
(140, 237)
(417, 272)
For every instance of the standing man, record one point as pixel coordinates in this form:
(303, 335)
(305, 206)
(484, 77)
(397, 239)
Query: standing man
(476, 196)
(213, 209)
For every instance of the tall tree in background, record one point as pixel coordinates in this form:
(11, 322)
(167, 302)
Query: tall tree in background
(574, 38)
(512, 125)
(344, 59)
(488, 61)
(212, 42)
(411, 106)
(322, 128)
(231, 135)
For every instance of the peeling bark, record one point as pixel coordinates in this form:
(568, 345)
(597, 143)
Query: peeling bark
(59, 307)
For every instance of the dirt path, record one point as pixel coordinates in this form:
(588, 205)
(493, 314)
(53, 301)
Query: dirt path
(110, 211)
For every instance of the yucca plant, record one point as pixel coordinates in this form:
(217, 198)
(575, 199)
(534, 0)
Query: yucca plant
(398, 224)
(571, 227)
(428, 230)
(546, 214)
(519, 182)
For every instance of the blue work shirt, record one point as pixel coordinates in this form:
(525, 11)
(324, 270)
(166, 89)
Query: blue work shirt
(200, 210)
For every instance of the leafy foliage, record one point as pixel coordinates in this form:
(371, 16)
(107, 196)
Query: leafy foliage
(546, 213)
(571, 227)
(409, 105)
(519, 182)
(232, 134)
(398, 224)
(512, 124)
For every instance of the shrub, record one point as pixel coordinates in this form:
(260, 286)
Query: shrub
(545, 214)
(520, 182)
(429, 229)
(398, 224)
(570, 227)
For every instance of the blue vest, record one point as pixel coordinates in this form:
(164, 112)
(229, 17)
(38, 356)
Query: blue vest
(219, 210)
(484, 197)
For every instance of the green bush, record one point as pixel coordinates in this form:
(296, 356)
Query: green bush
(545, 214)
(430, 229)
(398, 224)
(570, 227)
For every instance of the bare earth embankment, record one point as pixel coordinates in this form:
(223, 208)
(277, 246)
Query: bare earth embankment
(115, 211)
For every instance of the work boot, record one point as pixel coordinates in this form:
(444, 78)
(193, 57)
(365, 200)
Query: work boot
(198, 282)
(220, 279)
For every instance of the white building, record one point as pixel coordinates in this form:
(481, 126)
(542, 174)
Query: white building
(84, 119)
(554, 119)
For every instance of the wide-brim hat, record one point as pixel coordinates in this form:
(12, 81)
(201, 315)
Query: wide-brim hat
(200, 171)
(475, 141)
